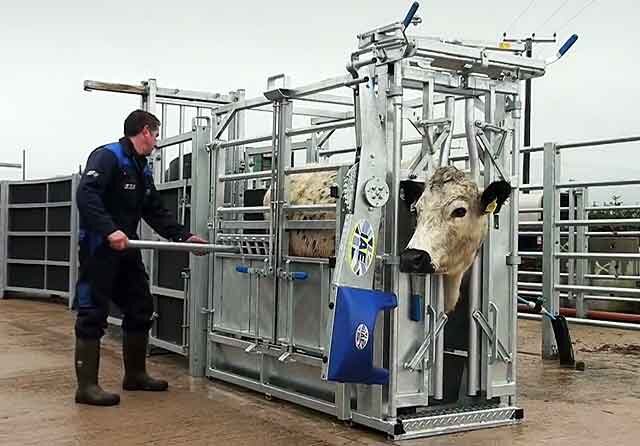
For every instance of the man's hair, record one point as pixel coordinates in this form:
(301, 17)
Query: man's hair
(138, 120)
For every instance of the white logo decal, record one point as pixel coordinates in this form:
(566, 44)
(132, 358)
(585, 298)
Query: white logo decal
(92, 173)
(362, 336)
(362, 249)
(130, 186)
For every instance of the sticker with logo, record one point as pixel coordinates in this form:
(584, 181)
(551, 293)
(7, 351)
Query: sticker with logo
(130, 186)
(362, 336)
(363, 248)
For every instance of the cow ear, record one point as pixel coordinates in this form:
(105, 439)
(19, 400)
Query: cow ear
(411, 191)
(494, 196)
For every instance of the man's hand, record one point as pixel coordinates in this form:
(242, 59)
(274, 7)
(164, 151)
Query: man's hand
(197, 239)
(118, 240)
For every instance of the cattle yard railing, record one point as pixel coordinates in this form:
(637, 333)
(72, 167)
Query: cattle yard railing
(576, 230)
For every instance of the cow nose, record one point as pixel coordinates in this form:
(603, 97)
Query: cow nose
(416, 261)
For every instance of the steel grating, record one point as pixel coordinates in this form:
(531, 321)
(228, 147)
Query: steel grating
(438, 422)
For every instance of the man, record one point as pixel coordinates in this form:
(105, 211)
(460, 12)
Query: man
(115, 192)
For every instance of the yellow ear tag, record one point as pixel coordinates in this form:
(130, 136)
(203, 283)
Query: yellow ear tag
(491, 207)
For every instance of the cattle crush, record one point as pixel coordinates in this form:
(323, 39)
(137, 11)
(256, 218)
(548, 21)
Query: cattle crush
(333, 292)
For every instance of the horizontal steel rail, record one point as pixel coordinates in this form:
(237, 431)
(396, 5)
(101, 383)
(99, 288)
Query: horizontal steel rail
(530, 254)
(320, 127)
(531, 187)
(310, 207)
(315, 168)
(591, 322)
(244, 176)
(244, 224)
(241, 142)
(305, 92)
(530, 284)
(598, 289)
(597, 142)
(11, 165)
(330, 152)
(575, 184)
(597, 255)
(161, 93)
(599, 221)
(613, 298)
(531, 149)
(243, 209)
(175, 140)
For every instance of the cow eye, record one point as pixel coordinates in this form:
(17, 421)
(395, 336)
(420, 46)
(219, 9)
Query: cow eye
(459, 213)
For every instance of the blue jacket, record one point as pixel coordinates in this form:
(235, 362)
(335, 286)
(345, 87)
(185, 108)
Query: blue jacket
(116, 191)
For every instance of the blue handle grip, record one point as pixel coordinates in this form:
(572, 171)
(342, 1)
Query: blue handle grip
(412, 11)
(242, 269)
(299, 275)
(416, 302)
(568, 44)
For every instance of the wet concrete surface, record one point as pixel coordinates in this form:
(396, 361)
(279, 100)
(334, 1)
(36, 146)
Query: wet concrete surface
(598, 406)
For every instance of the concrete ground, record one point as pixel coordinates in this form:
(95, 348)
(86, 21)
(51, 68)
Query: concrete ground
(598, 406)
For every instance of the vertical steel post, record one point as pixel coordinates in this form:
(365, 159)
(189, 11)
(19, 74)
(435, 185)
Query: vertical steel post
(394, 98)
(449, 112)
(473, 358)
(581, 246)
(163, 135)
(526, 160)
(282, 248)
(571, 243)
(199, 266)
(438, 348)
(148, 102)
(551, 243)
(514, 262)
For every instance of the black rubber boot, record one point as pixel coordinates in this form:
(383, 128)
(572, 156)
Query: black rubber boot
(134, 348)
(87, 364)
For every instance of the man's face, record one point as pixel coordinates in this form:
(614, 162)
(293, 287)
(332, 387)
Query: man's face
(149, 139)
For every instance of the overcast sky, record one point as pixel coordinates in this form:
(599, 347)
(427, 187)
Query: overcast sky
(49, 48)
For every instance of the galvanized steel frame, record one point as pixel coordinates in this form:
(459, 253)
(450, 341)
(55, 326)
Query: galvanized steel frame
(408, 77)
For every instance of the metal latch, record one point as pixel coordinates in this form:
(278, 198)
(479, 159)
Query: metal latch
(498, 351)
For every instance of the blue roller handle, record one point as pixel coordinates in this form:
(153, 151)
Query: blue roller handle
(542, 309)
(412, 11)
(416, 303)
(242, 269)
(299, 275)
(568, 44)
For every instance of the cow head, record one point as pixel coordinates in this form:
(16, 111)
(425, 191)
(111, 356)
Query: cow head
(451, 222)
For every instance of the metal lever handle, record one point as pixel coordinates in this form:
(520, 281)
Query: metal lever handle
(563, 49)
(180, 246)
(409, 17)
(568, 44)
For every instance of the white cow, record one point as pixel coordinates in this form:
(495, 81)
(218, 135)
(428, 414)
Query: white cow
(451, 222)
(450, 227)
